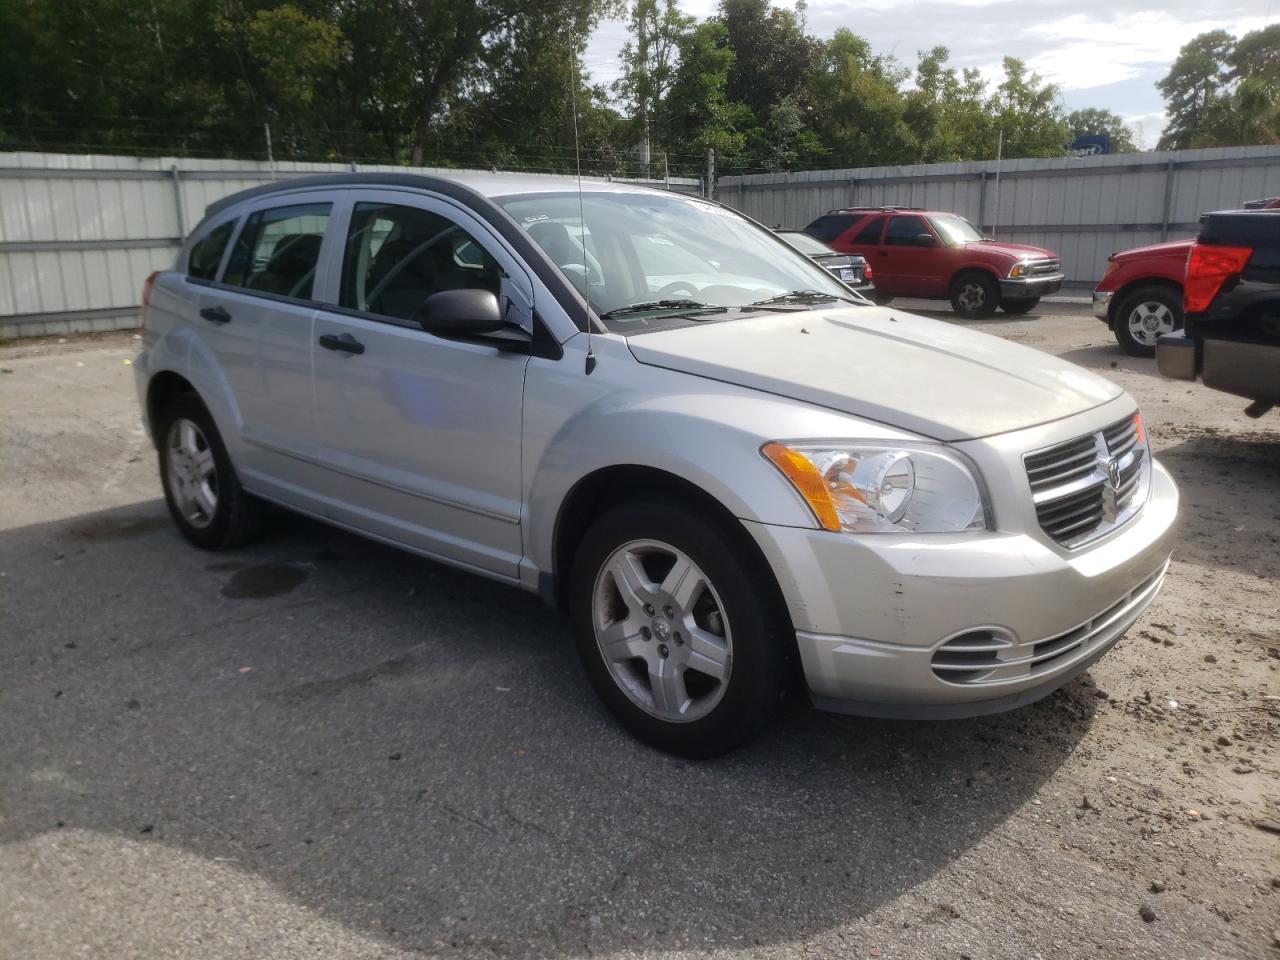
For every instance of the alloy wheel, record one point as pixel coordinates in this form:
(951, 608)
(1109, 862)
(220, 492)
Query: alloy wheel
(972, 296)
(662, 631)
(193, 474)
(1148, 321)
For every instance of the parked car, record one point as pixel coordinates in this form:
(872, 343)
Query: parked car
(1232, 299)
(1140, 295)
(937, 255)
(851, 269)
(670, 424)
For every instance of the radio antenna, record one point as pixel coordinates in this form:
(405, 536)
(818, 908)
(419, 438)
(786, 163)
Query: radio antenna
(582, 216)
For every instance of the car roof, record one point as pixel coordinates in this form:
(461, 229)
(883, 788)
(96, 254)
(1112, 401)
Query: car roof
(487, 185)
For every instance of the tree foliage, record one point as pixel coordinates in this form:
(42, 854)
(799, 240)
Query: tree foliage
(500, 82)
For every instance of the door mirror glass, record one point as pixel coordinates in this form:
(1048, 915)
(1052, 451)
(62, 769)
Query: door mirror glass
(460, 313)
(926, 240)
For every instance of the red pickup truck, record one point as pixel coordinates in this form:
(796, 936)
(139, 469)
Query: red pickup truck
(1140, 295)
(937, 255)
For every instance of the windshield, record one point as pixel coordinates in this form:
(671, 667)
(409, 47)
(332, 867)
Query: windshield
(643, 257)
(805, 243)
(955, 230)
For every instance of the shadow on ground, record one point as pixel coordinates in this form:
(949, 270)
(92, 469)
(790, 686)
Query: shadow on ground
(413, 752)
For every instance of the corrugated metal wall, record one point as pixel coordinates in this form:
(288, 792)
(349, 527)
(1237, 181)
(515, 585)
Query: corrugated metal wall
(79, 234)
(1084, 209)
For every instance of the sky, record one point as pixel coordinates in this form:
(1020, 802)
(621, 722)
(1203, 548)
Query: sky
(1102, 53)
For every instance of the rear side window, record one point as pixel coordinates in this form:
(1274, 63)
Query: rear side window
(277, 250)
(398, 256)
(205, 256)
(827, 228)
(870, 234)
(903, 231)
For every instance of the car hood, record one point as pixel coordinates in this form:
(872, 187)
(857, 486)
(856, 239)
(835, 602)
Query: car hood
(1015, 251)
(924, 376)
(1174, 248)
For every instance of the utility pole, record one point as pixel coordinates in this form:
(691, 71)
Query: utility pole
(709, 188)
(995, 217)
(271, 160)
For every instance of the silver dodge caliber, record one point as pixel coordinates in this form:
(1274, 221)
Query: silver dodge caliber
(717, 459)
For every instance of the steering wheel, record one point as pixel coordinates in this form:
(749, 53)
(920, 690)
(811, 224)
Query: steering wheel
(682, 287)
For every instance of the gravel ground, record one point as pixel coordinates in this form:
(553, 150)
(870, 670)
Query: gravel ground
(318, 746)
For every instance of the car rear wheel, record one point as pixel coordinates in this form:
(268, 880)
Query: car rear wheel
(1019, 307)
(1147, 314)
(678, 631)
(201, 489)
(974, 295)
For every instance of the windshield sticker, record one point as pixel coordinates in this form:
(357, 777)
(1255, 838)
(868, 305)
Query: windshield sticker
(536, 218)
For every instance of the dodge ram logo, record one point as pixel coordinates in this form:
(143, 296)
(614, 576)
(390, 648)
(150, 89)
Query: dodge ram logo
(1113, 473)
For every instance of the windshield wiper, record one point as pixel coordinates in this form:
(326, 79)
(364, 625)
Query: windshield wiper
(800, 297)
(647, 305)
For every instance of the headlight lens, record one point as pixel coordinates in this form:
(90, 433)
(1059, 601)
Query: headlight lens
(1020, 270)
(880, 488)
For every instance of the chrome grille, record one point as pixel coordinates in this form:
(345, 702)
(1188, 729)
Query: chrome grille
(1088, 486)
(1042, 268)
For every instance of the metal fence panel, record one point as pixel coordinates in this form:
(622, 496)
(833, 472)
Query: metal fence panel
(1084, 209)
(80, 233)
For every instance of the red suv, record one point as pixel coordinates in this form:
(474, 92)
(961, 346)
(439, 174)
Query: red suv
(936, 255)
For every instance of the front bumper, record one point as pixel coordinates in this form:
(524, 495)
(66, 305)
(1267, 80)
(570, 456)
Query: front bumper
(1024, 288)
(872, 612)
(1102, 304)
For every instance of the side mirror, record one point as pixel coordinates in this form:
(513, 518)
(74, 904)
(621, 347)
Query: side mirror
(926, 240)
(460, 313)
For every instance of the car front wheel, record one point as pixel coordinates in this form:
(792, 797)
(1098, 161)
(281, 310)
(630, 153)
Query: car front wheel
(1144, 317)
(678, 631)
(974, 295)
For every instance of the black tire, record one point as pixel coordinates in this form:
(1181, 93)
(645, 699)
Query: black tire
(759, 629)
(1155, 301)
(974, 294)
(882, 299)
(237, 516)
(1019, 307)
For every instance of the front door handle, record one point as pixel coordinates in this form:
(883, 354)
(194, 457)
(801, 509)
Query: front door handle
(344, 342)
(215, 314)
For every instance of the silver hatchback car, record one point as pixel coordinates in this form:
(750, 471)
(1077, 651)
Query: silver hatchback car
(719, 460)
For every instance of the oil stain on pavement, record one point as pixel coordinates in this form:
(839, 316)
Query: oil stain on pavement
(264, 580)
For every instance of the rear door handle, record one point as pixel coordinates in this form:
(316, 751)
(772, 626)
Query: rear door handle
(215, 314)
(344, 342)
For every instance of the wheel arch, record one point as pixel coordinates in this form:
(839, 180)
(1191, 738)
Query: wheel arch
(972, 268)
(1122, 294)
(161, 390)
(597, 491)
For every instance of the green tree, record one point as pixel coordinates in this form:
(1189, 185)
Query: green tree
(696, 113)
(946, 110)
(1029, 113)
(1094, 122)
(773, 58)
(862, 121)
(650, 62)
(1195, 92)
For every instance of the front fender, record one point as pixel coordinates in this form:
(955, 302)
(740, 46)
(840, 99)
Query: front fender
(627, 413)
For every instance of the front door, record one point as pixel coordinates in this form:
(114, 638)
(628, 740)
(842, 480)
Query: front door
(424, 431)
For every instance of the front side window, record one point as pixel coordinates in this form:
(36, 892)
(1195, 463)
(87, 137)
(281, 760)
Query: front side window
(398, 256)
(202, 263)
(902, 231)
(956, 230)
(624, 250)
(278, 249)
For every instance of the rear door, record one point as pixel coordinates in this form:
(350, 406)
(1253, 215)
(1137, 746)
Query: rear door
(257, 320)
(424, 432)
(903, 265)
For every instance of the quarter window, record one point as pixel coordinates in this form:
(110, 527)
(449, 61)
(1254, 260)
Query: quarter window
(870, 234)
(205, 256)
(277, 250)
(903, 231)
(398, 256)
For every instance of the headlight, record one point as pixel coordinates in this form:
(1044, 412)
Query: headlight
(1020, 270)
(881, 488)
